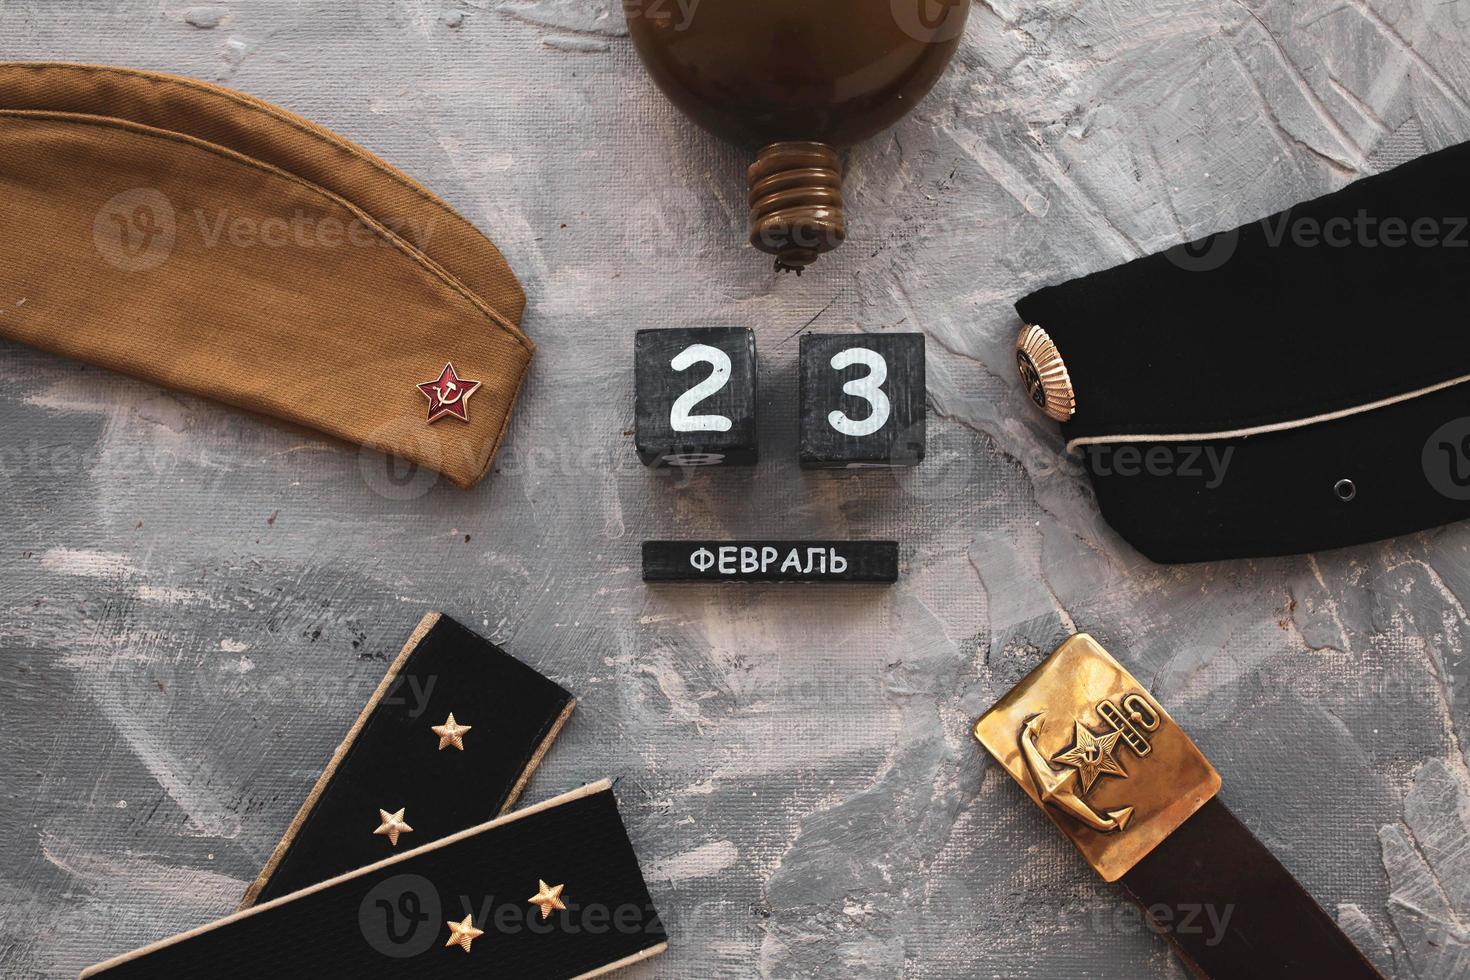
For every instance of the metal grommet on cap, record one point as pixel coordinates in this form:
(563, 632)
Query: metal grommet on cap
(1345, 489)
(1044, 375)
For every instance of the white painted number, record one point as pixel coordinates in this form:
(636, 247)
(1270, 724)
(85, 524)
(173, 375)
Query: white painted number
(869, 388)
(694, 459)
(680, 418)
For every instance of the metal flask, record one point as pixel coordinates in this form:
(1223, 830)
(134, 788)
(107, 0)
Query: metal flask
(797, 81)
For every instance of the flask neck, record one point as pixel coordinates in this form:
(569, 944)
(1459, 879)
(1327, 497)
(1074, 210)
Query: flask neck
(796, 203)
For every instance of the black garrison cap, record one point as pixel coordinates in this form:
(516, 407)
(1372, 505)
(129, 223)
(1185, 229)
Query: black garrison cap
(1294, 384)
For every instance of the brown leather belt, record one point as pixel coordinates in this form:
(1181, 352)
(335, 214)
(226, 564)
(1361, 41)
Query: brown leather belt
(1135, 795)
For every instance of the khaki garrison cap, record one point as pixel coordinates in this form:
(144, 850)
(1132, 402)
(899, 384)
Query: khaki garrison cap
(213, 243)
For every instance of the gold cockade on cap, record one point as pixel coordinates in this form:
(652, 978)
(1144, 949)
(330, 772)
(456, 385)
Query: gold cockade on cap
(1044, 373)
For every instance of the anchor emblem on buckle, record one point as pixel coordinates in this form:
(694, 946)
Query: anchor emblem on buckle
(1090, 757)
(1058, 788)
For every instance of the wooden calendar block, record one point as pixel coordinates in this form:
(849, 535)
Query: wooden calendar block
(770, 561)
(862, 400)
(695, 394)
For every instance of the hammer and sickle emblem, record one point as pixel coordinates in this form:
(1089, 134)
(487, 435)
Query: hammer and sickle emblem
(1060, 788)
(449, 393)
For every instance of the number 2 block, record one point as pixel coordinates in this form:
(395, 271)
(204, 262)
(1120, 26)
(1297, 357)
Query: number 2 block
(695, 394)
(862, 400)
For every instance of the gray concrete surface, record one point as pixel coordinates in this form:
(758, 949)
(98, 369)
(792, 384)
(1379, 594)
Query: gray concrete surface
(194, 605)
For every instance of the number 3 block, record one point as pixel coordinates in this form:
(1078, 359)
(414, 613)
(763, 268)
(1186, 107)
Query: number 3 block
(695, 396)
(862, 400)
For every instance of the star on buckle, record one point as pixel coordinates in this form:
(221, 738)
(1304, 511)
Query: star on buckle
(1099, 755)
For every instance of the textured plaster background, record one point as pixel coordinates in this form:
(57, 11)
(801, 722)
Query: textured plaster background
(196, 604)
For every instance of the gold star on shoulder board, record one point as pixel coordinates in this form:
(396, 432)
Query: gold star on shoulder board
(393, 824)
(463, 933)
(451, 733)
(547, 898)
(1092, 756)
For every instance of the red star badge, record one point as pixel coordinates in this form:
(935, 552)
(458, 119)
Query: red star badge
(449, 394)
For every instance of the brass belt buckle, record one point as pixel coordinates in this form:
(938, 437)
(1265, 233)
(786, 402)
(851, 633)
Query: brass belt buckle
(1095, 751)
